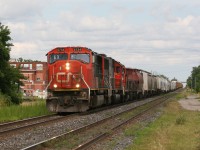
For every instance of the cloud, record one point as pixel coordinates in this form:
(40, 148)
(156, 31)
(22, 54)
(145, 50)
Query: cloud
(20, 10)
(185, 22)
(24, 49)
(167, 37)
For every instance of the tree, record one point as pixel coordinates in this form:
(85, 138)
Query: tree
(9, 76)
(20, 59)
(26, 60)
(193, 80)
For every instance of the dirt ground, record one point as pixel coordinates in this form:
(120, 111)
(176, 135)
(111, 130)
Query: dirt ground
(192, 102)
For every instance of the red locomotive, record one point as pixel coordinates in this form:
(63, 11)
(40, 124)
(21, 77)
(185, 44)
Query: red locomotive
(80, 79)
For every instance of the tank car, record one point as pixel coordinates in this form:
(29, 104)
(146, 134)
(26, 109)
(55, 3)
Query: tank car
(80, 79)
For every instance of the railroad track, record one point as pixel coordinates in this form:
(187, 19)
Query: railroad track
(104, 135)
(16, 126)
(88, 143)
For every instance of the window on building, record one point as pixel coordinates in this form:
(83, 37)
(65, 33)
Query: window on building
(30, 66)
(13, 65)
(39, 66)
(21, 66)
(26, 66)
(37, 79)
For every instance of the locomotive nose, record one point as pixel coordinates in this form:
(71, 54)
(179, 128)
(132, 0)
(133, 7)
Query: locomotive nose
(67, 75)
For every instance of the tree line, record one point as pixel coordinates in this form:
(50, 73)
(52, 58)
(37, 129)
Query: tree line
(9, 76)
(25, 60)
(193, 81)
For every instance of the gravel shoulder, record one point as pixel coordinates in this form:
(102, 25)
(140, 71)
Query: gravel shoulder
(192, 102)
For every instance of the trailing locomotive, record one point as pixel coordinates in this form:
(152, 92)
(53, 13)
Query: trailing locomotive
(80, 79)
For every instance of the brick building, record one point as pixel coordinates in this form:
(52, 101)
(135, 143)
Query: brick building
(36, 77)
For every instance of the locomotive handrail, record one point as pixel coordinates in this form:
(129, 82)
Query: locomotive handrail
(52, 77)
(107, 81)
(82, 77)
(49, 84)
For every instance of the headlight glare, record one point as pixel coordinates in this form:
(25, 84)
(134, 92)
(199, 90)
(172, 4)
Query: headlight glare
(77, 85)
(55, 85)
(67, 66)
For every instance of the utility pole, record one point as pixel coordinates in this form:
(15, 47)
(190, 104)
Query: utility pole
(195, 81)
(191, 82)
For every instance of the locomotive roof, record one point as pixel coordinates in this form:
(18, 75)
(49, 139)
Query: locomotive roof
(85, 48)
(70, 47)
(138, 69)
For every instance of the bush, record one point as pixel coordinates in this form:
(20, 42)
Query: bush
(180, 120)
(16, 98)
(4, 100)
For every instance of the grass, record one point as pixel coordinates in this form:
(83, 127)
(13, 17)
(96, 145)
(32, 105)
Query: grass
(176, 129)
(4, 100)
(17, 112)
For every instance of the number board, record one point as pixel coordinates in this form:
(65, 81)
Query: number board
(61, 49)
(77, 49)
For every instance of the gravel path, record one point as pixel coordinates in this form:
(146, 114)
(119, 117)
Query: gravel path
(191, 103)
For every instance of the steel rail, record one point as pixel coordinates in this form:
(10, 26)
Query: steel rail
(25, 124)
(23, 120)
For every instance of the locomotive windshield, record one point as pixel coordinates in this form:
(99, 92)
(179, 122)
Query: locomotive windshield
(81, 57)
(55, 57)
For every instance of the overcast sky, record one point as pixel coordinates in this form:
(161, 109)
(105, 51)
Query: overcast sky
(160, 36)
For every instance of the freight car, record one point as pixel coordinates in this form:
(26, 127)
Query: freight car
(80, 79)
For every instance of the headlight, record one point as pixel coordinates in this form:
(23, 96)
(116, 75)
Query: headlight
(67, 66)
(55, 85)
(77, 85)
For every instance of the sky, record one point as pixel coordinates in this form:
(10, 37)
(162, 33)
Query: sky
(159, 36)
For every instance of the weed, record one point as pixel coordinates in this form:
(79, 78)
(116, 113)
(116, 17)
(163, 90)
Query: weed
(16, 112)
(170, 131)
(180, 120)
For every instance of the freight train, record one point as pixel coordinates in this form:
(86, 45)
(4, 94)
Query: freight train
(80, 79)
